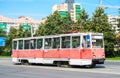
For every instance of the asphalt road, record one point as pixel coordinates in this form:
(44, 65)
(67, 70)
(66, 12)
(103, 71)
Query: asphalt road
(8, 70)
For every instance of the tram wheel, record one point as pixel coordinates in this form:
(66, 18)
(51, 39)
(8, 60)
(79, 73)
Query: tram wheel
(24, 62)
(93, 65)
(59, 64)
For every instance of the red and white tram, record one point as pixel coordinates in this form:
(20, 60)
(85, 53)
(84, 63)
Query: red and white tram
(83, 49)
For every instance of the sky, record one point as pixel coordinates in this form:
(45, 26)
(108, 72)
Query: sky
(38, 9)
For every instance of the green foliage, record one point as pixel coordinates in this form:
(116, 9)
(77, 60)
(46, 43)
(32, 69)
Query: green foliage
(23, 33)
(14, 33)
(101, 24)
(2, 33)
(55, 24)
(117, 53)
(83, 22)
(6, 51)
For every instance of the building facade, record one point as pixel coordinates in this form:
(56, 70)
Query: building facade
(26, 22)
(66, 8)
(113, 20)
(61, 8)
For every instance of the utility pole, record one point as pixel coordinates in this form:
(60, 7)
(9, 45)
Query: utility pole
(101, 3)
(119, 11)
(31, 30)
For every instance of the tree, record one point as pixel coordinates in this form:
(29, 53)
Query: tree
(14, 33)
(82, 22)
(8, 46)
(21, 33)
(101, 24)
(55, 24)
(2, 33)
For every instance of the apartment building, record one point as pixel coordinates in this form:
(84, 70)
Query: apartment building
(26, 22)
(74, 9)
(114, 22)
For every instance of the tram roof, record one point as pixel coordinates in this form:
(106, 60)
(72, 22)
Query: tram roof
(59, 35)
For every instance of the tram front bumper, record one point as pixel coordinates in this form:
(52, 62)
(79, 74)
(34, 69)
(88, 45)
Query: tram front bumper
(99, 61)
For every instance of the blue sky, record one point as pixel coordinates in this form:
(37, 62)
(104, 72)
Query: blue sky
(38, 9)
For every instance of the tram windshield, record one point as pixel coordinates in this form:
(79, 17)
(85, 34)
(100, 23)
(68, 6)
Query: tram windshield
(97, 41)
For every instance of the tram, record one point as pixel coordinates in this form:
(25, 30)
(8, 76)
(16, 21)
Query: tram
(77, 49)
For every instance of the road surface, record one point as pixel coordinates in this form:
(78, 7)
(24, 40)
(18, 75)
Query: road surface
(8, 70)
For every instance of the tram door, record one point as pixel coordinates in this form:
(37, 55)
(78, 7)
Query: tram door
(86, 47)
(51, 47)
(75, 52)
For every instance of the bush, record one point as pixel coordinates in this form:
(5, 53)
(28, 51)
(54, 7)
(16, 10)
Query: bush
(5, 51)
(117, 53)
(110, 54)
(113, 54)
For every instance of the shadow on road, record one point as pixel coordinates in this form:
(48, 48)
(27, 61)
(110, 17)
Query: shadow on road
(65, 66)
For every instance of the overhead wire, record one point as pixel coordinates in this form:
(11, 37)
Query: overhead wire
(108, 2)
(108, 5)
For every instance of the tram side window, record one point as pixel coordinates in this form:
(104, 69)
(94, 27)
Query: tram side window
(20, 46)
(33, 44)
(66, 42)
(14, 45)
(85, 42)
(75, 41)
(48, 43)
(39, 43)
(26, 44)
(56, 43)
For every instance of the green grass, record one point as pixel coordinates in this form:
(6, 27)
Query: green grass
(5, 56)
(114, 58)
